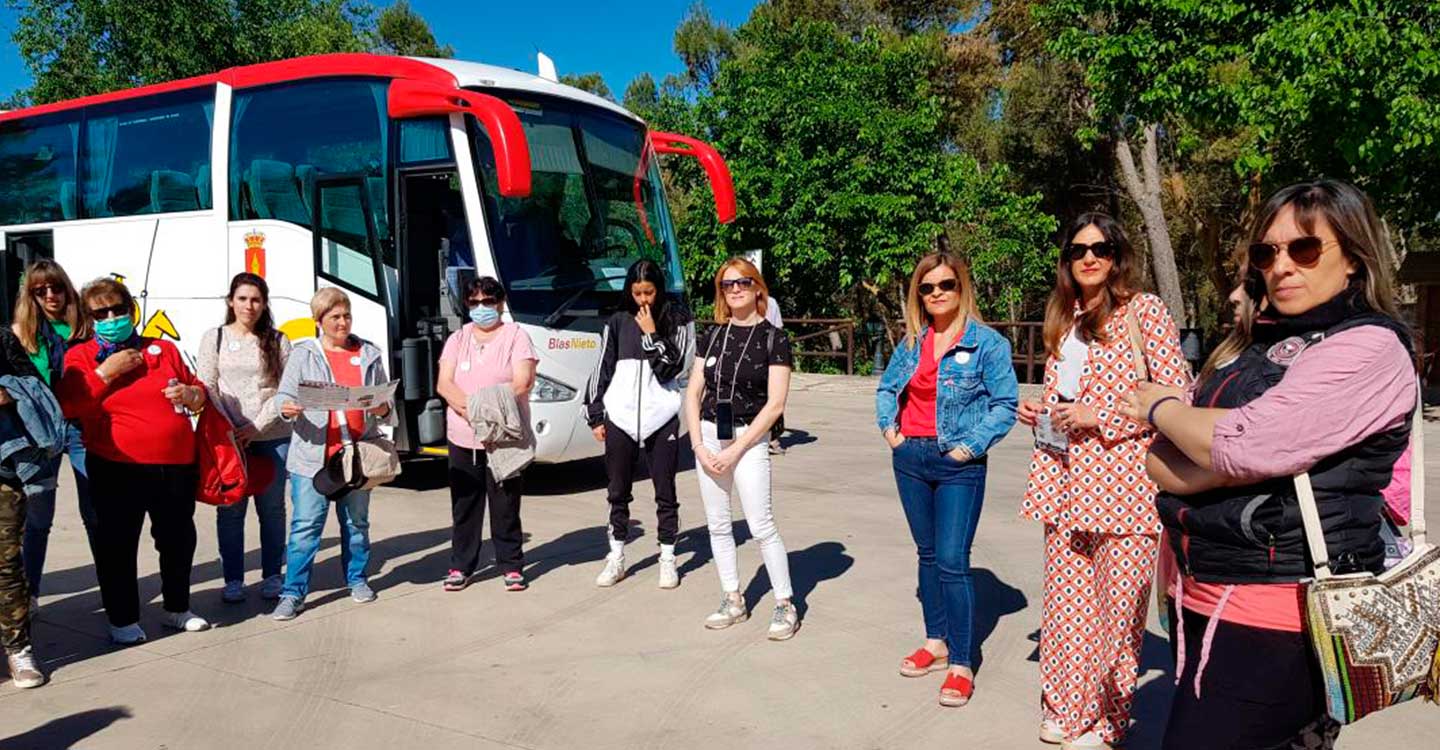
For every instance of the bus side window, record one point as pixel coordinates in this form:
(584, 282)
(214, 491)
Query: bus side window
(148, 156)
(38, 169)
(287, 137)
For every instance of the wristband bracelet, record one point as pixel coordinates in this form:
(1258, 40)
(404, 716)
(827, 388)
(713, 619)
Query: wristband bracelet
(1151, 416)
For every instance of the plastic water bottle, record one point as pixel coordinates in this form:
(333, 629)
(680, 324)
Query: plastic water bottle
(179, 408)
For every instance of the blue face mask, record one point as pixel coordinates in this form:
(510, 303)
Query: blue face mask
(115, 330)
(484, 316)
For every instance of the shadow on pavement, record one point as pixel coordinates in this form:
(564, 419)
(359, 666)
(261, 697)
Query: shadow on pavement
(808, 568)
(66, 731)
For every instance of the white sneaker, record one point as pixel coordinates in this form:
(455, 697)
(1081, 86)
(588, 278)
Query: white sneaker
(669, 575)
(128, 635)
(730, 613)
(271, 587)
(612, 574)
(187, 621)
(1051, 733)
(234, 592)
(1088, 741)
(784, 622)
(24, 672)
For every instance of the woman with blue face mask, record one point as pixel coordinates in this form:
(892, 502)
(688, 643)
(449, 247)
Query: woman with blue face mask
(485, 353)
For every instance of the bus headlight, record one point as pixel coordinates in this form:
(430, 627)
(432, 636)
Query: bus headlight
(547, 391)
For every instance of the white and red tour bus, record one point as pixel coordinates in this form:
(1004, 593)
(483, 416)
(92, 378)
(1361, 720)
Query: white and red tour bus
(396, 179)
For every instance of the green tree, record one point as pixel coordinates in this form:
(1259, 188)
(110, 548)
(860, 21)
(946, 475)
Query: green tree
(401, 31)
(702, 44)
(591, 82)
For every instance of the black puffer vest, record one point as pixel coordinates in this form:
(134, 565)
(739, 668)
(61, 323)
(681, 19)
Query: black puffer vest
(1253, 534)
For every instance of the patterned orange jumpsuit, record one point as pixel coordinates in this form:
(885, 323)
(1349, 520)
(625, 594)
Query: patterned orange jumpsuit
(1101, 531)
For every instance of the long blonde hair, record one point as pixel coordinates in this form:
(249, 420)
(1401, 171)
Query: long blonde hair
(916, 319)
(749, 271)
(28, 313)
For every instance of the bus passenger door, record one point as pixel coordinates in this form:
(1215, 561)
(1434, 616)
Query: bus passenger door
(21, 249)
(437, 261)
(348, 256)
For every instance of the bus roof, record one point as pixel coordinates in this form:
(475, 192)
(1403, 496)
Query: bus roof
(444, 72)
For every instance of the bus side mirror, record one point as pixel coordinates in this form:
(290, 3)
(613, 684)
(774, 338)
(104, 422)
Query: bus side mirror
(721, 183)
(409, 98)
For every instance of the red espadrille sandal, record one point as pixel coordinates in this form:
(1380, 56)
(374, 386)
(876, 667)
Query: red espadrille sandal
(957, 690)
(921, 663)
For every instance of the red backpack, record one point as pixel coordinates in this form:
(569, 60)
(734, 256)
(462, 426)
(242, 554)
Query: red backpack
(221, 463)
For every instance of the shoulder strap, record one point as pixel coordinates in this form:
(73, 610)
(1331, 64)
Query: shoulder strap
(219, 335)
(1310, 513)
(1137, 346)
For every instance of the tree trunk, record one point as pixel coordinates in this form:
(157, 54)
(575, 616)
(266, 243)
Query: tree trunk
(1143, 186)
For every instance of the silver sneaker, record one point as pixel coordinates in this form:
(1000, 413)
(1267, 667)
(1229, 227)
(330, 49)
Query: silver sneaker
(729, 613)
(669, 575)
(784, 622)
(288, 608)
(24, 672)
(613, 573)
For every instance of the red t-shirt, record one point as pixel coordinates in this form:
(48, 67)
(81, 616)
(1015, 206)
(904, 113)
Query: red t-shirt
(345, 366)
(917, 416)
(129, 420)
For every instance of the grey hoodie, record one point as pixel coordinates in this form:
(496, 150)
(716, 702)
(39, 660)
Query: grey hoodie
(307, 362)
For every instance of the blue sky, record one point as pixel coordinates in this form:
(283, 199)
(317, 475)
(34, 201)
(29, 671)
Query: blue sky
(618, 39)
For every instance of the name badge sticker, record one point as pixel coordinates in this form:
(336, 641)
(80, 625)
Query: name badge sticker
(962, 358)
(465, 367)
(153, 350)
(355, 360)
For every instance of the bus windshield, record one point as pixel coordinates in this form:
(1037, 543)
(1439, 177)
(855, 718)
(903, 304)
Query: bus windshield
(594, 209)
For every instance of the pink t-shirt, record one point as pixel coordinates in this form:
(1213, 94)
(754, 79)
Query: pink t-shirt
(480, 366)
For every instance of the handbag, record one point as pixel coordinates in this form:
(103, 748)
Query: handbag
(1376, 636)
(358, 465)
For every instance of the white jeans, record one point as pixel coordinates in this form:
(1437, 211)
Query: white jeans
(750, 479)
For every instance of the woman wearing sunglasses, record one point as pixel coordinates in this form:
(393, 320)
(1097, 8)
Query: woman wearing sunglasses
(1088, 486)
(133, 397)
(737, 390)
(947, 396)
(1322, 381)
(48, 320)
(484, 353)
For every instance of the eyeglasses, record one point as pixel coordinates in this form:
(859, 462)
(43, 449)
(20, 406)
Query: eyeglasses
(486, 301)
(927, 289)
(1102, 250)
(729, 284)
(1305, 251)
(41, 291)
(114, 311)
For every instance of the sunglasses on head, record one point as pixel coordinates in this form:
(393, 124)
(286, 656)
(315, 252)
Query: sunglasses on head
(948, 285)
(486, 301)
(745, 283)
(1076, 250)
(114, 311)
(1305, 251)
(45, 290)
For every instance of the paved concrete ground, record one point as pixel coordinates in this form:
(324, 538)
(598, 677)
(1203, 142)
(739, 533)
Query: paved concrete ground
(569, 665)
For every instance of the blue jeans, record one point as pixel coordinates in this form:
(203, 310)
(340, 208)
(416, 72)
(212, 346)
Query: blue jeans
(40, 510)
(268, 456)
(308, 511)
(942, 499)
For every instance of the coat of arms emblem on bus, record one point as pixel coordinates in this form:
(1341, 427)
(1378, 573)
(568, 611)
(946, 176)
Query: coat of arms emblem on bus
(255, 253)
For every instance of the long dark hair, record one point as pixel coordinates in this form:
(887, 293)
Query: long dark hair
(667, 315)
(1119, 287)
(265, 332)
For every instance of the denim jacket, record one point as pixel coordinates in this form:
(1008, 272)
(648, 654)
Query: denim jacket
(976, 391)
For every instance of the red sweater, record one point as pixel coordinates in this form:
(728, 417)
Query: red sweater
(129, 420)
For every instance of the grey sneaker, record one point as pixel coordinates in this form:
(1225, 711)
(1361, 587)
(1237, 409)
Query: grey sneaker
(361, 593)
(729, 613)
(128, 635)
(186, 621)
(669, 575)
(612, 574)
(234, 592)
(784, 622)
(271, 587)
(24, 672)
(288, 608)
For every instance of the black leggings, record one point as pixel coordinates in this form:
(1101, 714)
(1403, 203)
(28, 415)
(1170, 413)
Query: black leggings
(662, 450)
(1261, 689)
(124, 494)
